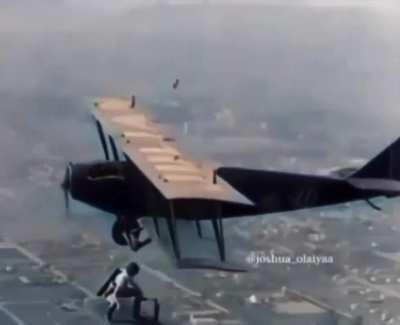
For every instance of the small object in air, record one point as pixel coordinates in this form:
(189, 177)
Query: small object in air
(176, 83)
(133, 101)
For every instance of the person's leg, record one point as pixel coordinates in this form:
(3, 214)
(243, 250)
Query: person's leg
(134, 233)
(128, 225)
(131, 231)
(111, 310)
(135, 229)
(137, 306)
(156, 310)
(130, 241)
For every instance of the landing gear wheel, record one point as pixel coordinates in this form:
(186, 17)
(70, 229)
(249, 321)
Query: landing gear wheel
(117, 234)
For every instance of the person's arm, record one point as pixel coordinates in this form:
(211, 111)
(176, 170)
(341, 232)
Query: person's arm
(139, 291)
(110, 289)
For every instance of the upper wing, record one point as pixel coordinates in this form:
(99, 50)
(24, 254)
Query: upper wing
(174, 174)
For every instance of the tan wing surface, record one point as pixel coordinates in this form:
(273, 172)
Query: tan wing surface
(156, 154)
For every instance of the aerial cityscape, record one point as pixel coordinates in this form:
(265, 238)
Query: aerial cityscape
(310, 88)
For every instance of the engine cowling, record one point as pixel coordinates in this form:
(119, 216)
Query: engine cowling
(103, 185)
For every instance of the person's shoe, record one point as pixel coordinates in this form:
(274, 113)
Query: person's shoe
(110, 313)
(140, 244)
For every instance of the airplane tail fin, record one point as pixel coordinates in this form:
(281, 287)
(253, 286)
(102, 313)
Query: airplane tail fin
(385, 165)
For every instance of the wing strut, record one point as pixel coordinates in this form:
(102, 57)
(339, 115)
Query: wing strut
(199, 230)
(113, 148)
(219, 233)
(171, 222)
(102, 139)
(156, 227)
(373, 205)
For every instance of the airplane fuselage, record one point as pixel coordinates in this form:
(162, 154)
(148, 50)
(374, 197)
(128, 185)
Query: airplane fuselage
(121, 189)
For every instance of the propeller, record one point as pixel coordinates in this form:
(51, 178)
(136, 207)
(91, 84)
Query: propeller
(66, 186)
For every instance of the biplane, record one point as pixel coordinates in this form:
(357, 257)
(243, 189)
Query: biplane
(146, 175)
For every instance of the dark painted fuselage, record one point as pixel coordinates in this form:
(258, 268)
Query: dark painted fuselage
(121, 188)
(279, 191)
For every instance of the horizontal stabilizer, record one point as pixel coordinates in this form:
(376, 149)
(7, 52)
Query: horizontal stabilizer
(375, 184)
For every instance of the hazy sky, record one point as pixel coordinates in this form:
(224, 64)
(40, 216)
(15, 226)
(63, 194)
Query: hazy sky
(288, 87)
(283, 66)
